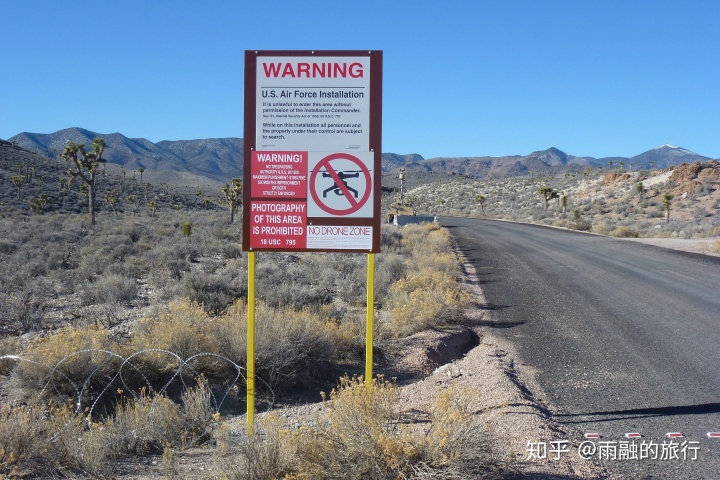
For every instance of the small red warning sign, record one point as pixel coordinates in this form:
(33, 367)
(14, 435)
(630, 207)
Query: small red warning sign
(278, 225)
(278, 175)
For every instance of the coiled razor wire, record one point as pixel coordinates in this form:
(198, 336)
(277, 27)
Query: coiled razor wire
(183, 367)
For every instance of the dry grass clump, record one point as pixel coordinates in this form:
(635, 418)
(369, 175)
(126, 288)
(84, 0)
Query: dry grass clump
(363, 436)
(427, 294)
(67, 362)
(712, 247)
(625, 232)
(266, 456)
(48, 441)
(152, 423)
(424, 299)
(163, 342)
(292, 347)
(425, 240)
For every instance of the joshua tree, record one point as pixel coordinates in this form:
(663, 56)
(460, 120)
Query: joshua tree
(135, 201)
(19, 182)
(547, 193)
(84, 166)
(233, 195)
(481, 200)
(667, 200)
(38, 203)
(111, 199)
(63, 188)
(153, 208)
(141, 170)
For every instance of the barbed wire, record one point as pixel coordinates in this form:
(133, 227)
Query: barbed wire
(126, 364)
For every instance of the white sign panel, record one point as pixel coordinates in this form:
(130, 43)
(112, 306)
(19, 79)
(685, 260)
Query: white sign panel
(307, 102)
(339, 237)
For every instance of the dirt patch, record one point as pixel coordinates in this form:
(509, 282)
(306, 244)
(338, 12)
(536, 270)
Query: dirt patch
(422, 353)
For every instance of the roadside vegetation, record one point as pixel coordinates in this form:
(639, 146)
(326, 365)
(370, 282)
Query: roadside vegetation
(122, 334)
(614, 200)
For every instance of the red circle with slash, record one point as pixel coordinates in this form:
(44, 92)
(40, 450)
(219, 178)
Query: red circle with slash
(355, 205)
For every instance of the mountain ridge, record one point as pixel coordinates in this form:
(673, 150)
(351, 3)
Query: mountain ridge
(218, 160)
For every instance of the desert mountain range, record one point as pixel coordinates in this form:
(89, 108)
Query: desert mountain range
(219, 159)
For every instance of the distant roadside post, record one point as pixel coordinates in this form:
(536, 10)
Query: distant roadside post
(312, 164)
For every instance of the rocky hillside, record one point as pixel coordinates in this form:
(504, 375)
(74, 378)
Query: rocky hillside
(189, 162)
(32, 183)
(619, 202)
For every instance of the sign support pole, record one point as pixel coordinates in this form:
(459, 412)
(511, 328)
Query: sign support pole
(251, 346)
(369, 320)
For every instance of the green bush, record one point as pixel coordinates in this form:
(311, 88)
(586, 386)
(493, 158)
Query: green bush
(186, 228)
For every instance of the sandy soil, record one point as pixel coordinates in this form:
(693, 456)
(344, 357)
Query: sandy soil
(694, 245)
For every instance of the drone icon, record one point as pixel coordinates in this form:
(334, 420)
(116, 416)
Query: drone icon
(342, 176)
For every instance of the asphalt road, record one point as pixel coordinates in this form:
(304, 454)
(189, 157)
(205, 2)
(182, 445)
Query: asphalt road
(625, 338)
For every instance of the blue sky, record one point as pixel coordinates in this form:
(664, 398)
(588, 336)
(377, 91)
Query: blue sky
(461, 78)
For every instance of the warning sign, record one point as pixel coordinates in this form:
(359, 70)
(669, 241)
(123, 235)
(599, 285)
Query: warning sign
(278, 175)
(278, 225)
(312, 151)
(341, 185)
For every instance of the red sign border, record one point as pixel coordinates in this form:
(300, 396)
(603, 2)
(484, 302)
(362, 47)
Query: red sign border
(374, 139)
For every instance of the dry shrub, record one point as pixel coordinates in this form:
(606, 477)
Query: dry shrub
(291, 347)
(48, 441)
(712, 247)
(153, 423)
(182, 330)
(427, 295)
(265, 456)
(361, 439)
(361, 436)
(625, 232)
(424, 299)
(111, 288)
(602, 228)
(425, 240)
(64, 362)
(457, 443)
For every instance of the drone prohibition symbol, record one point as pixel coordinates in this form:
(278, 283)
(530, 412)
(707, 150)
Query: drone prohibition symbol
(341, 169)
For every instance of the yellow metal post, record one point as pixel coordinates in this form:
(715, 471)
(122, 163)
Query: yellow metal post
(251, 346)
(369, 320)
